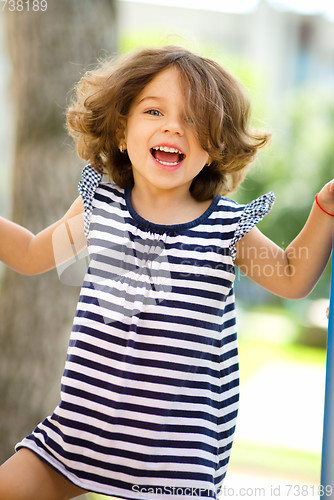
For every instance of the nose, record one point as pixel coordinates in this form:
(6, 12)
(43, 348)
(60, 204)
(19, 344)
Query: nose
(173, 125)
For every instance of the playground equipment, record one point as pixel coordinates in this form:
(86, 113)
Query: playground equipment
(327, 461)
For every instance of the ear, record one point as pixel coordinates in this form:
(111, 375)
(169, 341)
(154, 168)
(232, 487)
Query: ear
(121, 134)
(208, 162)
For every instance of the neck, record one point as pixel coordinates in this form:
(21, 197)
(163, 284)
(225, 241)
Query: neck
(176, 206)
(160, 200)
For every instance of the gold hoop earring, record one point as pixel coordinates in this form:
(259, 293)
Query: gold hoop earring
(122, 148)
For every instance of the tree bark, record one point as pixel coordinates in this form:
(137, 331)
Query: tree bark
(49, 52)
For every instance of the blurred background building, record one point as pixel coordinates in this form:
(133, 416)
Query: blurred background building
(292, 47)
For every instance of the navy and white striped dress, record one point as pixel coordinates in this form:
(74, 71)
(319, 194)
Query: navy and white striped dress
(150, 390)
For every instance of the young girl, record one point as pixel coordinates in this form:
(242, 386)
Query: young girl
(150, 391)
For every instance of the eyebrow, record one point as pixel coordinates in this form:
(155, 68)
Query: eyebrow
(151, 97)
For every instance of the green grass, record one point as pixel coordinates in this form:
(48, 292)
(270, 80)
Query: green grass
(94, 496)
(254, 354)
(284, 462)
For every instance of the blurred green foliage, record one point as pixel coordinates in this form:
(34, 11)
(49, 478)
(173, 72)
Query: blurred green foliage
(298, 163)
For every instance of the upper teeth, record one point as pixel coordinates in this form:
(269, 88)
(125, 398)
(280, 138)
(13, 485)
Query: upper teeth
(167, 150)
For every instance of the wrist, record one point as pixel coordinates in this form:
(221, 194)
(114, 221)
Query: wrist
(322, 206)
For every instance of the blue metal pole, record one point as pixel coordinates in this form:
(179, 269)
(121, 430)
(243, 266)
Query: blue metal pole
(327, 462)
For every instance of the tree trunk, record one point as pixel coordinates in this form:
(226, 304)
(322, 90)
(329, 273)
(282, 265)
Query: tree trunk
(49, 51)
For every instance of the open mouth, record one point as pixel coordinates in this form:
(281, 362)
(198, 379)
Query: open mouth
(169, 157)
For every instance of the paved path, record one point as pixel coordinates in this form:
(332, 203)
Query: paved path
(257, 486)
(282, 405)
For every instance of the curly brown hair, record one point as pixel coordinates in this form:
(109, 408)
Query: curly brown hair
(215, 101)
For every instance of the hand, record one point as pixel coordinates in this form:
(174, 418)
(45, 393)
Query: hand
(326, 197)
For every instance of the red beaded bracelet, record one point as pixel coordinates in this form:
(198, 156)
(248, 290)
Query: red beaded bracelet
(316, 200)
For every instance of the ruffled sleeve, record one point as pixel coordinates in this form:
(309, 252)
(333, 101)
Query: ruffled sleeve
(252, 213)
(90, 179)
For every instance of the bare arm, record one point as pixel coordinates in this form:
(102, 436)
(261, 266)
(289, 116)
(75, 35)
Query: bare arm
(292, 273)
(30, 254)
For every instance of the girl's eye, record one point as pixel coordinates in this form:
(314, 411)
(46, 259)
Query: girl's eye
(153, 112)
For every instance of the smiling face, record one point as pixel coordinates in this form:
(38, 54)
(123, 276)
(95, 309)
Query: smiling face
(162, 144)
